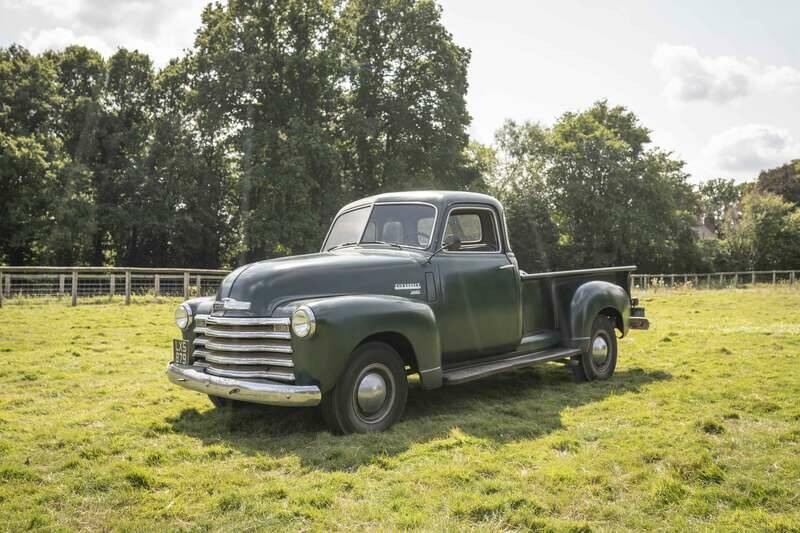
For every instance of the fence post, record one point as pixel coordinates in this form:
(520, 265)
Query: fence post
(672, 281)
(127, 287)
(186, 285)
(721, 279)
(753, 278)
(791, 278)
(198, 281)
(773, 277)
(74, 288)
(112, 286)
(157, 285)
(685, 279)
(708, 281)
(8, 285)
(1, 289)
(735, 279)
(61, 279)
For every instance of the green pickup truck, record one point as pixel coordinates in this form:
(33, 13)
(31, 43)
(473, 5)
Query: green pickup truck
(406, 283)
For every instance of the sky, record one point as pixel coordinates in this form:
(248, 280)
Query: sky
(717, 82)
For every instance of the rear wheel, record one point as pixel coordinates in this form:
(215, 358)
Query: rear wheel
(371, 393)
(601, 359)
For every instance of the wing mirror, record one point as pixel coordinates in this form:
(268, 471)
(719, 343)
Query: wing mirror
(452, 243)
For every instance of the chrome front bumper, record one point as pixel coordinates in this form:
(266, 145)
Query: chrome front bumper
(264, 392)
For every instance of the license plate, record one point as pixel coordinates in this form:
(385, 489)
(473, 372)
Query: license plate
(180, 352)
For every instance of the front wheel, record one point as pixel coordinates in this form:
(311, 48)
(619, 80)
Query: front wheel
(601, 359)
(371, 393)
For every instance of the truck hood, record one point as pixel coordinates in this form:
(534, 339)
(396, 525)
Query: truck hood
(275, 282)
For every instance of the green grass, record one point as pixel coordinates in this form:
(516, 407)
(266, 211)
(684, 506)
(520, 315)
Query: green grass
(698, 429)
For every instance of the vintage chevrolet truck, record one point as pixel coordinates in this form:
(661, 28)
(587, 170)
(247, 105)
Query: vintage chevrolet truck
(406, 283)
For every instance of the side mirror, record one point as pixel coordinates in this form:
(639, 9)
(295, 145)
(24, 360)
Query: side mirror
(452, 243)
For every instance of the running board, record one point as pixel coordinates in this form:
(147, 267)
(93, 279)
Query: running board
(469, 373)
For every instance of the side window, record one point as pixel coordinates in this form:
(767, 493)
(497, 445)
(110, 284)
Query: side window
(424, 230)
(477, 229)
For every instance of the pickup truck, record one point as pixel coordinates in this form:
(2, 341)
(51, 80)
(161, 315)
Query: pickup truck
(411, 283)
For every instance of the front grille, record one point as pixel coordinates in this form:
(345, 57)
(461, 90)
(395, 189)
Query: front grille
(248, 348)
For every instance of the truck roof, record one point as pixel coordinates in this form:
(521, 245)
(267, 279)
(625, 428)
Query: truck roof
(441, 199)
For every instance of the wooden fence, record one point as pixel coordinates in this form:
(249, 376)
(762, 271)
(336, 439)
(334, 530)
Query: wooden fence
(81, 282)
(715, 280)
(96, 282)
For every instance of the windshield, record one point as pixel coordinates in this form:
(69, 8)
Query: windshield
(399, 224)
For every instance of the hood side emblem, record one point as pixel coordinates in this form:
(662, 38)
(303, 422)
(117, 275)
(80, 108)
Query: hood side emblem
(230, 304)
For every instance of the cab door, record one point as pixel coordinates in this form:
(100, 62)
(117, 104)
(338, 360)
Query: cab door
(479, 311)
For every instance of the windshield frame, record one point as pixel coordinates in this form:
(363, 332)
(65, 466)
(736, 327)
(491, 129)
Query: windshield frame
(369, 217)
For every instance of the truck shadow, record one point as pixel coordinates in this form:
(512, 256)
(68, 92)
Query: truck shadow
(526, 404)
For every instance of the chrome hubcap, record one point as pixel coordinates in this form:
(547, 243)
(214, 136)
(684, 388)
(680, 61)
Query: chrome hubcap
(600, 350)
(371, 393)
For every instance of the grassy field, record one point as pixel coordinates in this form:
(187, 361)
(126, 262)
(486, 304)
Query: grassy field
(698, 429)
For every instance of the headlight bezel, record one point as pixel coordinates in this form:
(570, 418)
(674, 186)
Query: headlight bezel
(189, 316)
(308, 321)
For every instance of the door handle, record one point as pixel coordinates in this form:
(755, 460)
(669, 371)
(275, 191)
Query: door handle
(506, 267)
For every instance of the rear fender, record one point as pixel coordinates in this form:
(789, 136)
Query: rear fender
(344, 322)
(588, 301)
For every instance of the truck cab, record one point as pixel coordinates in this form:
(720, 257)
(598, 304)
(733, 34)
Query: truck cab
(405, 283)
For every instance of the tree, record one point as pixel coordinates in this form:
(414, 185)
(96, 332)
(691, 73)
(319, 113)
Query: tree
(520, 183)
(600, 195)
(31, 154)
(767, 235)
(719, 197)
(123, 195)
(405, 115)
(783, 181)
(265, 76)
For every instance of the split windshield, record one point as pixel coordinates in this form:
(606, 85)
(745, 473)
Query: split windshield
(399, 224)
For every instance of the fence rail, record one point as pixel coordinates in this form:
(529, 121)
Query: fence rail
(82, 282)
(111, 282)
(715, 280)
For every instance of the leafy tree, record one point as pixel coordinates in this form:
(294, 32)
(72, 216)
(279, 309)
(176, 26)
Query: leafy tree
(767, 235)
(265, 74)
(31, 155)
(123, 193)
(601, 196)
(405, 115)
(520, 177)
(783, 181)
(719, 198)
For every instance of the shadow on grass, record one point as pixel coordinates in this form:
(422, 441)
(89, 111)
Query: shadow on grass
(525, 404)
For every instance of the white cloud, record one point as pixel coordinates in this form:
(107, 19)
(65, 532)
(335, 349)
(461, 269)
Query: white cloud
(690, 76)
(751, 148)
(59, 38)
(160, 28)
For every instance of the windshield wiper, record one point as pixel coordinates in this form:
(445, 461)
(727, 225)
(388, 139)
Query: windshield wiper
(353, 243)
(382, 242)
(342, 245)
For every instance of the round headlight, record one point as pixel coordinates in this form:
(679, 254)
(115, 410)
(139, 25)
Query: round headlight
(303, 322)
(183, 316)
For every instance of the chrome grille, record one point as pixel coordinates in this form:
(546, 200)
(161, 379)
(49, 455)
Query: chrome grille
(249, 348)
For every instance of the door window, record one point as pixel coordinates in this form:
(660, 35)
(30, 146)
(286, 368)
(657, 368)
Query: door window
(475, 227)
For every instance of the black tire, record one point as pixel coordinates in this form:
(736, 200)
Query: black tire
(375, 367)
(226, 403)
(599, 362)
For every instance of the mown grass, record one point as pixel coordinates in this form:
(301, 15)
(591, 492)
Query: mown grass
(699, 429)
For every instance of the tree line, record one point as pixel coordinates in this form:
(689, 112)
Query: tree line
(245, 147)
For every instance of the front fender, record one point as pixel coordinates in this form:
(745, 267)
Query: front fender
(343, 322)
(588, 301)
